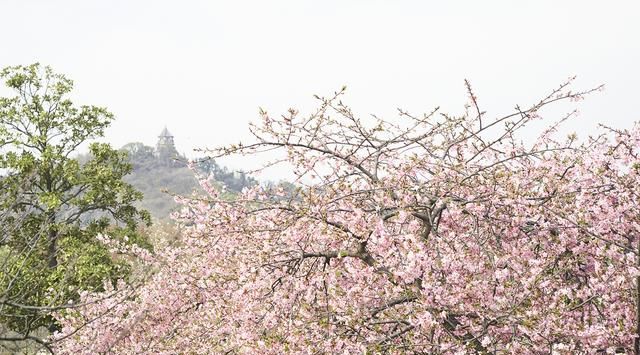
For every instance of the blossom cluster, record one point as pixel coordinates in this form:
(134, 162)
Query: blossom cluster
(439, 235)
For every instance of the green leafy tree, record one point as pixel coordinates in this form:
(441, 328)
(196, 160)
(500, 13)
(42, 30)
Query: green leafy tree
(140, 155)
(66, 204)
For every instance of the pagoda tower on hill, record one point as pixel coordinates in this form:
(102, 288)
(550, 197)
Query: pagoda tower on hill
(166, 149)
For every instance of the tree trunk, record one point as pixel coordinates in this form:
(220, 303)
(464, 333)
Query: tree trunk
(52, 239)
(53, 249)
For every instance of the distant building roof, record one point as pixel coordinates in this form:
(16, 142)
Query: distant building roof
(165, 133)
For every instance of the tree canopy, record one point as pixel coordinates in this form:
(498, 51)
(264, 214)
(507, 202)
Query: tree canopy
(424, 234)
(56, 204)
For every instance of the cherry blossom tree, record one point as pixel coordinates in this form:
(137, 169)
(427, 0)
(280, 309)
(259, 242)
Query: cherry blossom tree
(431, 234)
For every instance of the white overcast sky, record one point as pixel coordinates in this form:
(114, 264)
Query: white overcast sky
(202, 68)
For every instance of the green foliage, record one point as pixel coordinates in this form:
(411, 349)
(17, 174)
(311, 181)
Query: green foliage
(60, 203)
(232, 180)
(84, 265)
(139, 154)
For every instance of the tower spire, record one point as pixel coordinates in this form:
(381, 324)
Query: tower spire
(165, 149)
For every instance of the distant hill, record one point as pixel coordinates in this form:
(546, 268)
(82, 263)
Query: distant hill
(161, 171)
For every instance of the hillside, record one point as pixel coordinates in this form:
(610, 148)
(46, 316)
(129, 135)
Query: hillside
(161, 172)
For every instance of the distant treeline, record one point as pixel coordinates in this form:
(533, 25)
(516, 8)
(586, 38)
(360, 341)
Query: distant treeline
(159, 176)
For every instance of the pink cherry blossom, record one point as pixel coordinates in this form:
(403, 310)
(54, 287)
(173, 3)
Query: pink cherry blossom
(423, 234)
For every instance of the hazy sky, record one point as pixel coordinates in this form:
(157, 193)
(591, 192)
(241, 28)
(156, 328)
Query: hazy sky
(204, 67)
